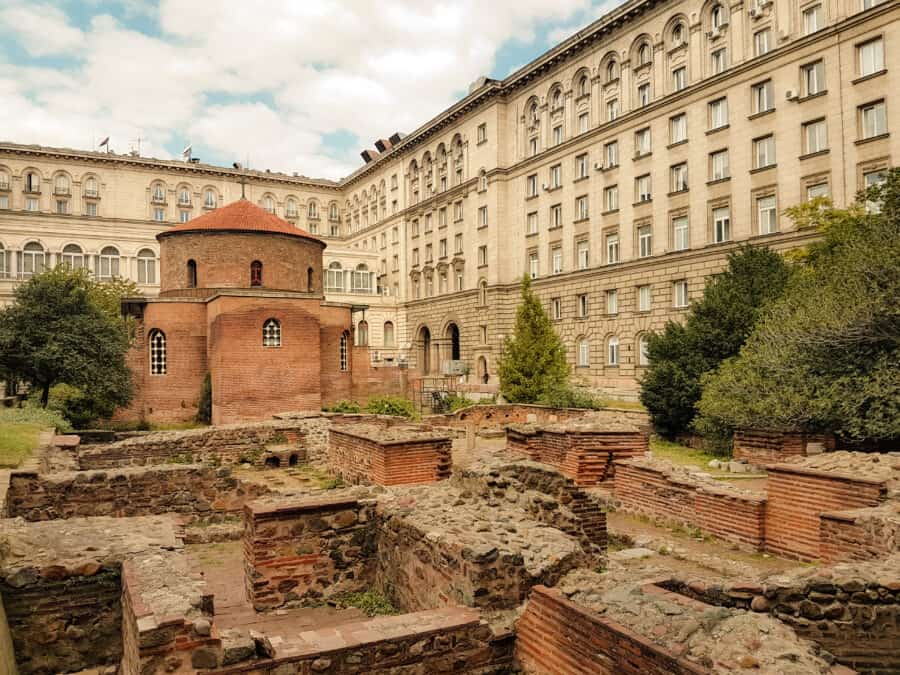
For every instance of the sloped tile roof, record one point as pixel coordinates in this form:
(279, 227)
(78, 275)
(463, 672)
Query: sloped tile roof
(240, 216)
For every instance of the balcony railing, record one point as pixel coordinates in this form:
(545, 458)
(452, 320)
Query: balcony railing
(92, 193)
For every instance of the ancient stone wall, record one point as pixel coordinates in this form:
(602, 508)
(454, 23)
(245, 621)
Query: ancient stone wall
(499, 416)
(194, 492)
(554, 635)
(765, 447)
(660, 490)
(859, 534)
(395, 456)
(307, 551)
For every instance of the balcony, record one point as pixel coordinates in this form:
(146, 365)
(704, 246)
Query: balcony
(92, 193)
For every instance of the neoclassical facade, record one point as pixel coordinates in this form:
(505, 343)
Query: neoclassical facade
(617, 170)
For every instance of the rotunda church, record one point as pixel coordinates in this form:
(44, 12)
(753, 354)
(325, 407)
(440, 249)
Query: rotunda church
(241, 299)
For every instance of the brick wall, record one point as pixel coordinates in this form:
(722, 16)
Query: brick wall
(859, 534)
(192, 491)
(724, 512)
(307, 551)
(369, 455)
(501, 415)
(369, 380)
(554, 635)
(336, 384)
(765, 447)
(798, 496)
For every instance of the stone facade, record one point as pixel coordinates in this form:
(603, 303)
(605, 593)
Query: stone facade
(859, 534)
(434, 232)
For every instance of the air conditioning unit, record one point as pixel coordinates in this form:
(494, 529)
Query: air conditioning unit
(791, 95)
(598, 166)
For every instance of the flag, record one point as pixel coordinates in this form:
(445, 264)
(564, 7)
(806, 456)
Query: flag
(105, 141)
(186, 153)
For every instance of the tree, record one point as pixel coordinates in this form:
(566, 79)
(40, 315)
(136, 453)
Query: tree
(715, 328)
(826, 357)
(533, 364)
(59, 331)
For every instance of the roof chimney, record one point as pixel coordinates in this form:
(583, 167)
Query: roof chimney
(369, 155)
(396, 137)
(383, 145)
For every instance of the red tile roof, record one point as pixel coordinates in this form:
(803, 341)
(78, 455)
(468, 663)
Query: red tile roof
(240, 216)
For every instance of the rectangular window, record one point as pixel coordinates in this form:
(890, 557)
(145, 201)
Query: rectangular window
(482, 133)
(812, 77)
(642, 142)
(763, 97)
(184, 216)
(583, 123)
(533, 265)
(581, 208)
(556, 256)
(442, 248)
(812, 19)
(531, 223)
(644, 298)
(31, 204)
(458, 211)
(62, 206)
(767, 214)
(611, 197)
(582, 254)
(429, 253)
(721, 224)
(817, 190)
(556, 216)
(442, 216)
(482, 256)
(718, 113)
(556, 309)
(427, 223)
(612, 110)
(679, 79)
(555, 176)
(582, 305)
(581, 166)
(612, 301)
(159, 215)
(871, 178)
(643, 95)
(642, 192)
(482, 216)
(871, 57)
(680, 293)
(611, 152)
(869, 4)
(612, 248)
(557, 135)
(718, 59)
(764, 152)
(678, 128)
(4, 202)
(718, 165)
(872, 120)
(645, 241)
(679, 177)
(414, 228)
(762, 41)
(680, 233)
(815, 137)
(532, 147)
(531, 185)
(415, 256)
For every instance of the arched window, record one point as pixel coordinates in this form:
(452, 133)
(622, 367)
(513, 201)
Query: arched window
(271, 333)
(73, 256)
(362, 333)
(613, 351)
(61, 184)
(269, 204)
(32, 182)
(612, 71)
(90, 187)
(184, 196)
(333, 212)
(643, 355)
(108, 263)
(533, 114)
(146, 264)
(210, 201)
(4, 180)
(678, 35)
(256, 273)
(310, 280)
(644, 54)
(33, 259)
(361, 279)
(157, 352)
(4, 262)
(158, 193)
(312, 210)
(290, 208)
(584, 86)
(345, 351)
(482, 181)
(718, 16)
(334, 278)
(557, 98)
(584, 353)
(192, 274)
(482, 293)
(388, 339)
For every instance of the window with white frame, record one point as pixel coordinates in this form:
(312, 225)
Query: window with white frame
(817, 190)
(645, 55)
(812, 19)
(869, 4)
(584, 353)
(268, 203)
(209, 199)
(556, 309)
(612, 248)
(271, 333)
(556, 219)
(345, 351)
(612, 301)
(442, 248)
(533, 265)
(557, 134)
(679, 177)
(458, 211)
(581, 166)
(581, 207)
(643, 94)
(582, 254)
(718, 113)
(718, 165)
(812, 78)
(767, 214)
(612, 357)
(90, 209)
(146, 266)
(482, 133)
(157, 340)
(33, 259)
(643, 351)
(611, 153)
(611, 197)
(482, 216)
(90, 187)
(73, 257)
(764, 152)
(583, 306)
(762, 41)
(721, 216)
(531, 223)
(612, 109)
(4, 202)
(718, 61)
(158, 194)
(642, 189)
(872, 120)
(184, 216)
(870, 179)
(108, 263)
(555, 176)
(62, 207)
(645, 241)
(532, 147)
(645, 298)
(642, 142)
(458, 243)
(556, 256)
(32, 204)
(815, 137)
(679, 79)
(718, 17)
(184, 197)
(680, 233)
(334, 276)
(763, 97)
(678, 128)
(531, 185)
(583, 123)
(680, 293)
(871, 57)
(482, 256)
(442, 219)
(312, 210)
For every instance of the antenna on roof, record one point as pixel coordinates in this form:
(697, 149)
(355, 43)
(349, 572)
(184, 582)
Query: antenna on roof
(243, 185)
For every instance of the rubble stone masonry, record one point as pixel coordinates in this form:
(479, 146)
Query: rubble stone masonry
(767, 447)
(860, 534)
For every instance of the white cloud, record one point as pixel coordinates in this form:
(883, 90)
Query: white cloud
(370, 67)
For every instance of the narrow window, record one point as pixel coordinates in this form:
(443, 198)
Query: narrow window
(191, 274)
(613, 356)
(271, 333)
(310, 280)
(345, 345)
(157, 352)
(256, 273)
(388, 338)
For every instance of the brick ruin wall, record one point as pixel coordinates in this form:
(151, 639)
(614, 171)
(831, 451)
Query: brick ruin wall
(765, 447)
(360, 455)
(733, 515)
(859, 534)
(499, 416)
(797, 497)
(554, 635)
(585, 456)
(307, 551)
(194, 492)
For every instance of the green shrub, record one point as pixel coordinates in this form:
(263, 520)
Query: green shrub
(391, 405)
(81, 409)
(204, 405)
(32, 413)
(456, 402)
(344, 406)
(569, 396)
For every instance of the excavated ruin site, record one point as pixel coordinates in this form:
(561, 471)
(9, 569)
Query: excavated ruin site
(498, 539)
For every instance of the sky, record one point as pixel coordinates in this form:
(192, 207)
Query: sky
(287, 85)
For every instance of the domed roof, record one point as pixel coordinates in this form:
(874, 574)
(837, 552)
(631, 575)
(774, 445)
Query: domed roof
(240, 216)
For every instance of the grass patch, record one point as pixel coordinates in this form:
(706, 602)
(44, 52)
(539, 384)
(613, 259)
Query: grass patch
(683, 455)
(372, 603)
(316, 477)
(20, 429)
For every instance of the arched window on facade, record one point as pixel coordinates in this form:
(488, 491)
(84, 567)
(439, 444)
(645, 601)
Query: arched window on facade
(612, 357)
(361, 279)
(90, 187)
(612, 71)
(388, 338)
(108, 263)
(256, 273)
(146, 266)
(73, 256)
(312, 210)
(32, 182)
(678, 35)
(584, 353)
(268, 204)
(34, 259)
(271, 333)
(643, 354)
(645, 54)
(290, 208)
(192, 274)
(157, 352)
(345, 351)
(584, 86)
(61, 185)
(334, 278)
(158, 193)
(310, 280)
(184, 196)
(482, 293)
(362, 333)
(210, 200)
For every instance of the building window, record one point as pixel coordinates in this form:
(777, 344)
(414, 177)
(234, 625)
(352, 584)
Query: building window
(718, 17)
(482, 293)
(442, 248)
(762, 42)
(555, 176)
(763, 97)
(764, 152)
(817, 190)
(90, 188)
(256, 270)
(184, 216)
(583, 123)
(556, 309)
(533, 265)
(812, 77)
(191, 274)
(361, 278)
(581, 166)
(584, 353)
(645, 241)
(108, 263)
(871, 57)
(482, 256)
(644, 298)
(680, 293)
(718, 165)
(73, 257)
(458, 243)
(581, 208)
(612, 351)
(718, 113)
(643, 95)
(679, 79)
(32, 183)
(680, 233)
(612, 110)
(642, 142)
(612, 248)
(209, 199)
(678, 128)
(721, 224)
(388, 334)
(157, 352)
(33, 259)
(582, 254)
(557, 135)
(612, 301)
(870, 179)
(872, 120)
(812, 19)
(90, 209)
(611, 152)
(643, 352)
(869, 4)
(679, 177)
(146, 266)
(531, 185)
(159, 215)
(555, 216)
(718, 61)
(271, 333)
(482, 133)
(4, 202)
(62, 207)
(612, 72)
(611, 197)
(312, 210)
(642, 191)
(583, 306)
(362, 333)
(531, 221)
(32, 204)
(532, 147)
(556, 256)
(767, 214)
(345, 351)
(815, 136)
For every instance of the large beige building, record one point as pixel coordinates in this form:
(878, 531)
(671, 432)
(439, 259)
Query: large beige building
(618, 170)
